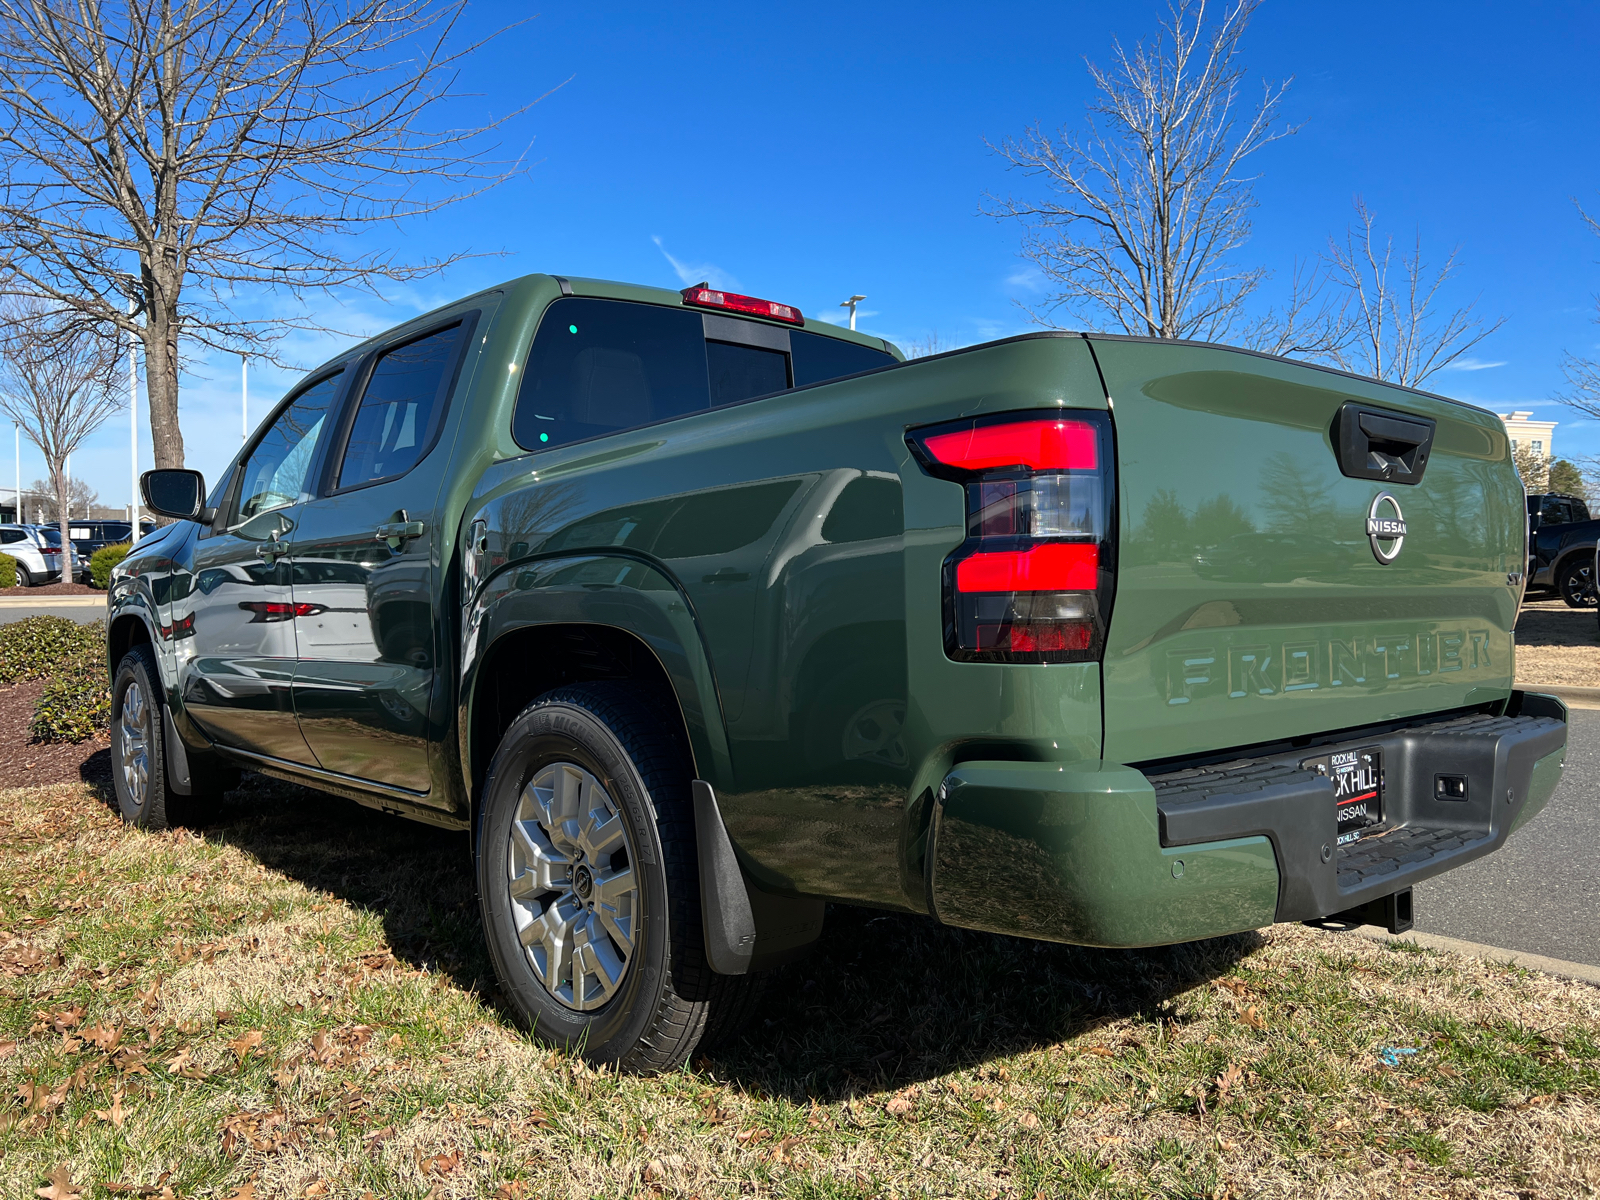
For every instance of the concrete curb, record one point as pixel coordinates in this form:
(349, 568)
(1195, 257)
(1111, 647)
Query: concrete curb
(60, 602)
(1582, 972)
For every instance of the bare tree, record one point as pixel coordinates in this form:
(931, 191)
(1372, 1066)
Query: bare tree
(156, 149)
(1147, 206)
(81, 498)
(1583, 374)
(928, 345)
(1399, 331)
(1533, 467)
(1310, 324)
(57, 382)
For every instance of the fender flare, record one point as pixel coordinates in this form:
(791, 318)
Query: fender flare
(629, 593)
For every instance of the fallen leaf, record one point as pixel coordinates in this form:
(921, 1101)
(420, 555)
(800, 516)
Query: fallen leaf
(511, 1189)
(7, 1048)
(441, 1164)
(319, 1188)
(113, 1114)
(1230, 1080)
(103, 1038)
(61, 1187)
(1028, 1121)
(1110, 1139)
(654, 1171)
(1252, 1017)
(379, 1138)
(1533, 1102)
(246, 1191)
(782, 1151)
(899, 1104)
(1101, 1051)
(244, 1043)
(749, 1137)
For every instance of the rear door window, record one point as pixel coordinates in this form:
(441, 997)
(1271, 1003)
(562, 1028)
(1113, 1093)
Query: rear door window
(601, 365)
(400, 408)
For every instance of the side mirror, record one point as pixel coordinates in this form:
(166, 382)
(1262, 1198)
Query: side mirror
(176, 493)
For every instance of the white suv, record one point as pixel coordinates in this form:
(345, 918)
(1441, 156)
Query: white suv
(38, 554)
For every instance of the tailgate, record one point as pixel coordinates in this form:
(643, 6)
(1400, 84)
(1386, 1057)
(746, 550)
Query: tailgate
(1251, 605)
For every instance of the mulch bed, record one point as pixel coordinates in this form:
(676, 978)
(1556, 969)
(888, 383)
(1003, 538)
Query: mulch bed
(53, 589)
(27, 763)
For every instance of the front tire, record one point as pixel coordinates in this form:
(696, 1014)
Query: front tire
(1577, 585)
(588, 881)
(139, 752)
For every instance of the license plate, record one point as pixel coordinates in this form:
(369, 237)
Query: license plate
(1357, 788)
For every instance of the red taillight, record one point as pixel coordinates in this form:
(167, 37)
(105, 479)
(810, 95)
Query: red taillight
(1048, 567)
(1033, 580)
(1033, 445)
(733, 302)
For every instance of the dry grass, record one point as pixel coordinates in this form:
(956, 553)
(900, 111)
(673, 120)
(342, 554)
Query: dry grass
(293, 1002)
(1558, 645)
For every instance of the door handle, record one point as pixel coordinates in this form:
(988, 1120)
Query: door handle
(726, 575)
(271, 550)
(397, 533)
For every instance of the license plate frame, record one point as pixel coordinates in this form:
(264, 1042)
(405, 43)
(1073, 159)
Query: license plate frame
(1357, 777)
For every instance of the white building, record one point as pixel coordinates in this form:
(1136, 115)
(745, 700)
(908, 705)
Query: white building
(1538, 436)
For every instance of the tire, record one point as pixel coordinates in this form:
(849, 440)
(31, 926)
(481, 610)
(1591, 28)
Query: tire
(586, 797)
(138, 747)
(24, 576)
(1576, 583)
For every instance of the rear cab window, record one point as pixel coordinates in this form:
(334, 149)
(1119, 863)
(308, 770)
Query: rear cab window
(600, 366)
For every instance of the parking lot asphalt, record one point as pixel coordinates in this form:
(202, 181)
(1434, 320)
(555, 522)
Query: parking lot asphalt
(1540, 893)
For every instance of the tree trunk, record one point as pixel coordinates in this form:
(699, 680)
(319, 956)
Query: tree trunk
(58, 479)
(160, 335)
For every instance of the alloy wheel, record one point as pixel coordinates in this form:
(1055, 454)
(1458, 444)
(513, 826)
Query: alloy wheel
(574, 895)
(134, 728)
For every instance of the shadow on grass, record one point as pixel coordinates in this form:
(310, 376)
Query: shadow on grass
(885, 1000)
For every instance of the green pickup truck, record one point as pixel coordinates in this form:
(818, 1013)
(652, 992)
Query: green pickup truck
(700, 616)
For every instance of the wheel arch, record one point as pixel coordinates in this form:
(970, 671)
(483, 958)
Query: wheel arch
(553, 622)
(124, 631)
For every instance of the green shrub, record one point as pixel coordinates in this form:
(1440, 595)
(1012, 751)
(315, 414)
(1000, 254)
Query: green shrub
(39, 647)
(76, 703)
(103, 559)
(8, 571)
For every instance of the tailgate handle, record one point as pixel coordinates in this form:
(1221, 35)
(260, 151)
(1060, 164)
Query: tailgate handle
(1373, 443)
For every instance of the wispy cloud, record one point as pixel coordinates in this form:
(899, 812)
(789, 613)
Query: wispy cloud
(1029, 279)
(1473, 364)
(690, 273)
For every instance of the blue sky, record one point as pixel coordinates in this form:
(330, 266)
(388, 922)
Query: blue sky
(804, 153)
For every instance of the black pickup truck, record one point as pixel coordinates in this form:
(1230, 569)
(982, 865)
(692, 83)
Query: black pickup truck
(1561, 548)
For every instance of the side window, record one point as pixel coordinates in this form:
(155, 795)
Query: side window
(11, 535)
(603, 365)
(276, 471)
(818, 358)
(400, 409)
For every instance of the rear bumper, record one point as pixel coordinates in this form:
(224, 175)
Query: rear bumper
(1103, 854)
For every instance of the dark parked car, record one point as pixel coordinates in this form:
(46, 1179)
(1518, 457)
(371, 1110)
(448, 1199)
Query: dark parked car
(89, 536)
(1561, 552)
(1555, 508)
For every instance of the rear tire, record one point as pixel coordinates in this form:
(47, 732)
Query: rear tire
(24, 576)
(588, 881)
(1576, 583)
(139, 753)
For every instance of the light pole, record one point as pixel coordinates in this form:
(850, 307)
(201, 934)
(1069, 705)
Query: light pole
(133, 432)
(851, 305)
